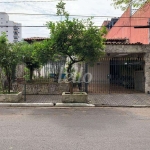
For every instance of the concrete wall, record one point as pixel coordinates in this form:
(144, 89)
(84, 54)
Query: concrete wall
(128, 49)
(99, 72)
(136, 50)
(147, 72)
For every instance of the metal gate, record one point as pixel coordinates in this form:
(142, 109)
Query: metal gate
(117, 75)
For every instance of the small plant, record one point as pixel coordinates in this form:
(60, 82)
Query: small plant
(26, 74)
(78, 77)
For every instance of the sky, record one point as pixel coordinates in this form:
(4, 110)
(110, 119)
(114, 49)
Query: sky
(100, 8)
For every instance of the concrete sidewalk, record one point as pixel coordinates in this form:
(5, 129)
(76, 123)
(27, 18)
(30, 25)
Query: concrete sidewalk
(120, 99)
(111, 100)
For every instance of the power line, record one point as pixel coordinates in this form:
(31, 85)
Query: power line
(47, 26)
(54, 15)
(29, 14)
(34, 1)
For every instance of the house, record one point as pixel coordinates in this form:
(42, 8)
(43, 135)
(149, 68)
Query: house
(51, 69)
(32, 39)
(124, 26)
(125, 68)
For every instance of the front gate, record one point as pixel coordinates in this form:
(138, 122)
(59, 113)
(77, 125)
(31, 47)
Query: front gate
(117, 75)
(107, 76)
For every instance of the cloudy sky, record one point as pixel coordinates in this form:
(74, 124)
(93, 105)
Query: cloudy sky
(101, 9)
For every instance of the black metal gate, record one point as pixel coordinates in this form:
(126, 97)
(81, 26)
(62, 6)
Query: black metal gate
(117, 75)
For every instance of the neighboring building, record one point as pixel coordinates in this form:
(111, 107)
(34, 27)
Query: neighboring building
(109, 23)
(126, 66)
(32, 39)
(12, 29)
(123, 28)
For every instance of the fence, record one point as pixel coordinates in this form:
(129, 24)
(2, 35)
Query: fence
(107, 76)
(117, 75)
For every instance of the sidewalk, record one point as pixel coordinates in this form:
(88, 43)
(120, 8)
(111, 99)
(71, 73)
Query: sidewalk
(127, 100)
(120, 99)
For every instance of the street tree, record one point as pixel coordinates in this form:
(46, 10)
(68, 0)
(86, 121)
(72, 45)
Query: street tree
(79, 40)
(8, 59)
(123, 4)
(34, 55)
(28, 56)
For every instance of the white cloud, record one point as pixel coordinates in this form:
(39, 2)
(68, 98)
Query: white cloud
(77, 7)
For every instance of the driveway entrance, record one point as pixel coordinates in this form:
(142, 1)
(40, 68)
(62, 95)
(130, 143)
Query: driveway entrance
(117, 75)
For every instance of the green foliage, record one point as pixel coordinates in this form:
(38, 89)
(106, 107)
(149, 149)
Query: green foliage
(28, 56)
(78, 76)
(34, 55)
(76, 39)
(8, 58)
(26, 74)
(123, 4)
(61, 9)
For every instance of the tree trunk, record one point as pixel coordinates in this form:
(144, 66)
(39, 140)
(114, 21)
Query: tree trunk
(70, 78)
(31, 73)
(9, 83)
(71, 87)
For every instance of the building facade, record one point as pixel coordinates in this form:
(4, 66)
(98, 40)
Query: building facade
(12, 29)
(124, 26)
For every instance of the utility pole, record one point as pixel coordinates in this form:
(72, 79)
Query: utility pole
(130, 15)
(149, 31)
(130, 8)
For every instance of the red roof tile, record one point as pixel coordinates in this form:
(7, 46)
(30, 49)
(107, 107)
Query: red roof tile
(35, 38)
(124, 27)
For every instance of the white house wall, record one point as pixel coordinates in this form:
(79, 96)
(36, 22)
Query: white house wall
(100, 72)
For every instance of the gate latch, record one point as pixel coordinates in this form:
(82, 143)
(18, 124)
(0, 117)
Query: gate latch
(109, 76)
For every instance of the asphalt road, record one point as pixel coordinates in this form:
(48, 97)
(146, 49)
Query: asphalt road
(74, 129)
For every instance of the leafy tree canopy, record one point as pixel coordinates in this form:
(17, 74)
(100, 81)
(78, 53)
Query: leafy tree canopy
(8, 58)
(123, 4)
(32, 55)
(76, 39)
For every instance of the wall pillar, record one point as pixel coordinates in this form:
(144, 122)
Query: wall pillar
(147, 72)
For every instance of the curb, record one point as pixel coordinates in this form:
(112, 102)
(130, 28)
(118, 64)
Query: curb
(26, 104)
(57, 105)
(73, 105)
(132, 106)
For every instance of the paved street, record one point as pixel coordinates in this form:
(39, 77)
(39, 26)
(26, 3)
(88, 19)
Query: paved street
(74, 128)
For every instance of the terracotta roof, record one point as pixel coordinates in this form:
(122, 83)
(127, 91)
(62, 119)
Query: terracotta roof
(117, 41)
(120, 43)
(35, 38)
(123, 27)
